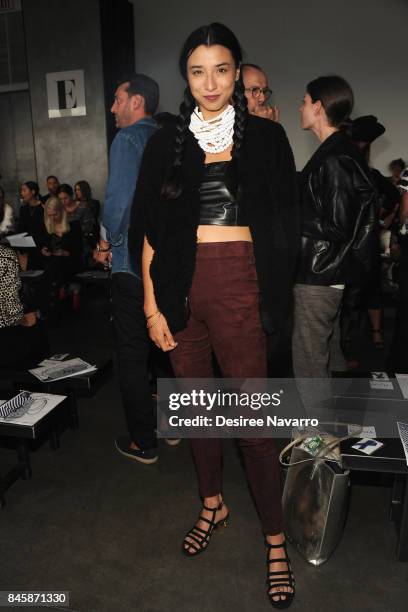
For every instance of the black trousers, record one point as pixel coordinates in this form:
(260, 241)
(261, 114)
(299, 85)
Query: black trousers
(132, 347)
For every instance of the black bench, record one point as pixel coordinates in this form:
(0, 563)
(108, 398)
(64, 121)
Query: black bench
(389, 459)
(21, 435)
(376, 404)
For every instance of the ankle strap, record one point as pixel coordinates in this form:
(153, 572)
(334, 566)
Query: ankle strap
(283, 545)
(214, 509)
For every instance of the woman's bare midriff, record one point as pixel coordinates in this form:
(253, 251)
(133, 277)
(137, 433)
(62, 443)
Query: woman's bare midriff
(221, 233)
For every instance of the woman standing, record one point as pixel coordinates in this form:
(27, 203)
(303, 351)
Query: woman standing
(216, 199)
(365, 130)
(339, 229)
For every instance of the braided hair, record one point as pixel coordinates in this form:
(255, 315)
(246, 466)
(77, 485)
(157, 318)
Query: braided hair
(241, 114)
(213, 34)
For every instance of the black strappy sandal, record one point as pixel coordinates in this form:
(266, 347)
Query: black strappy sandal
(199, 538)
(280, 579)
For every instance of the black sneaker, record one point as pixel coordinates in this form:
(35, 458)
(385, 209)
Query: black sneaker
(149, 455)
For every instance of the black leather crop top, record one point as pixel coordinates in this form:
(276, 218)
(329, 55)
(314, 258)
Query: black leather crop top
(218, 206)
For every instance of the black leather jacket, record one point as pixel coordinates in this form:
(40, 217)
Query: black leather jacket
(339, 208)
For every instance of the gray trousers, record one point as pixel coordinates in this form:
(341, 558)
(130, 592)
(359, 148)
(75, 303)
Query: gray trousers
(316, 340)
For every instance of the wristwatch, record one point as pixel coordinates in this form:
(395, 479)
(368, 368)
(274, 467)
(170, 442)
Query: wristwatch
(100, 250)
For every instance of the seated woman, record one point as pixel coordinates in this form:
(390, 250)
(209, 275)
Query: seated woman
(6, 216)
(78, 210)
(30, 220)
(61, 248)
(83, 194)
(22, 339)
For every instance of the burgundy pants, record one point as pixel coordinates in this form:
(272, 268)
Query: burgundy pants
(224, 318)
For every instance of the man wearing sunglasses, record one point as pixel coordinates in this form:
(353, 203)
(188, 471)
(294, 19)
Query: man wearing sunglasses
(257, 92)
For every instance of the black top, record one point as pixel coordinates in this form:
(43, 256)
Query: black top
(388, 193)
(31, 220)
(218, 205)
(70, 241)
(44, 198)
(269, 202)
(339, 206)
(95, 206)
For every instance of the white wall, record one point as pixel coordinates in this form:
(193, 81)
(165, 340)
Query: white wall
(295, 41)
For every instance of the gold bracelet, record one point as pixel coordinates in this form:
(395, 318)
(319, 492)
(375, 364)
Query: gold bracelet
(150, 316)
(156, 315)
(155, 321)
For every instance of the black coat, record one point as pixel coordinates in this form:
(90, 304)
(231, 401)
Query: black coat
(31, 220)
(269, 195)
(339, 207)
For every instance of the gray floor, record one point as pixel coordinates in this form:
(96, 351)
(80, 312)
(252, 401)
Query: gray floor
(109, 530)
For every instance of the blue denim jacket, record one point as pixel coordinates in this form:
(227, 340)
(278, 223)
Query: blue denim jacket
(124, 163)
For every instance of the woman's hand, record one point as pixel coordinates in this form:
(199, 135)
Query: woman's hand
(29, 319)
(161, 335)
(46, 252)
(61, 253)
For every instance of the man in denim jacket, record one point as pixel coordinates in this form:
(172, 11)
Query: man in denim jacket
(136, 100)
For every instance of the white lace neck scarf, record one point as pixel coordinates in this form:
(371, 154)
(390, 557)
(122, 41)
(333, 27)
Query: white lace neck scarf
(214, 135)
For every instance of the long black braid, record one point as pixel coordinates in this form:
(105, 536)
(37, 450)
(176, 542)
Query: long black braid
(241, 114)
(173, 186)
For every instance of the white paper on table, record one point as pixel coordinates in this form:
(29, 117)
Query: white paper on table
(31, 273)
(380, 380)
(403, 432)
(54, 359)
(361, 431)
(64, 369)
(403, 383)
(46, 362)
(20, 235)
(21, 241)
(34, 410)
(367, 446)
(379, 376)
(59, 357)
